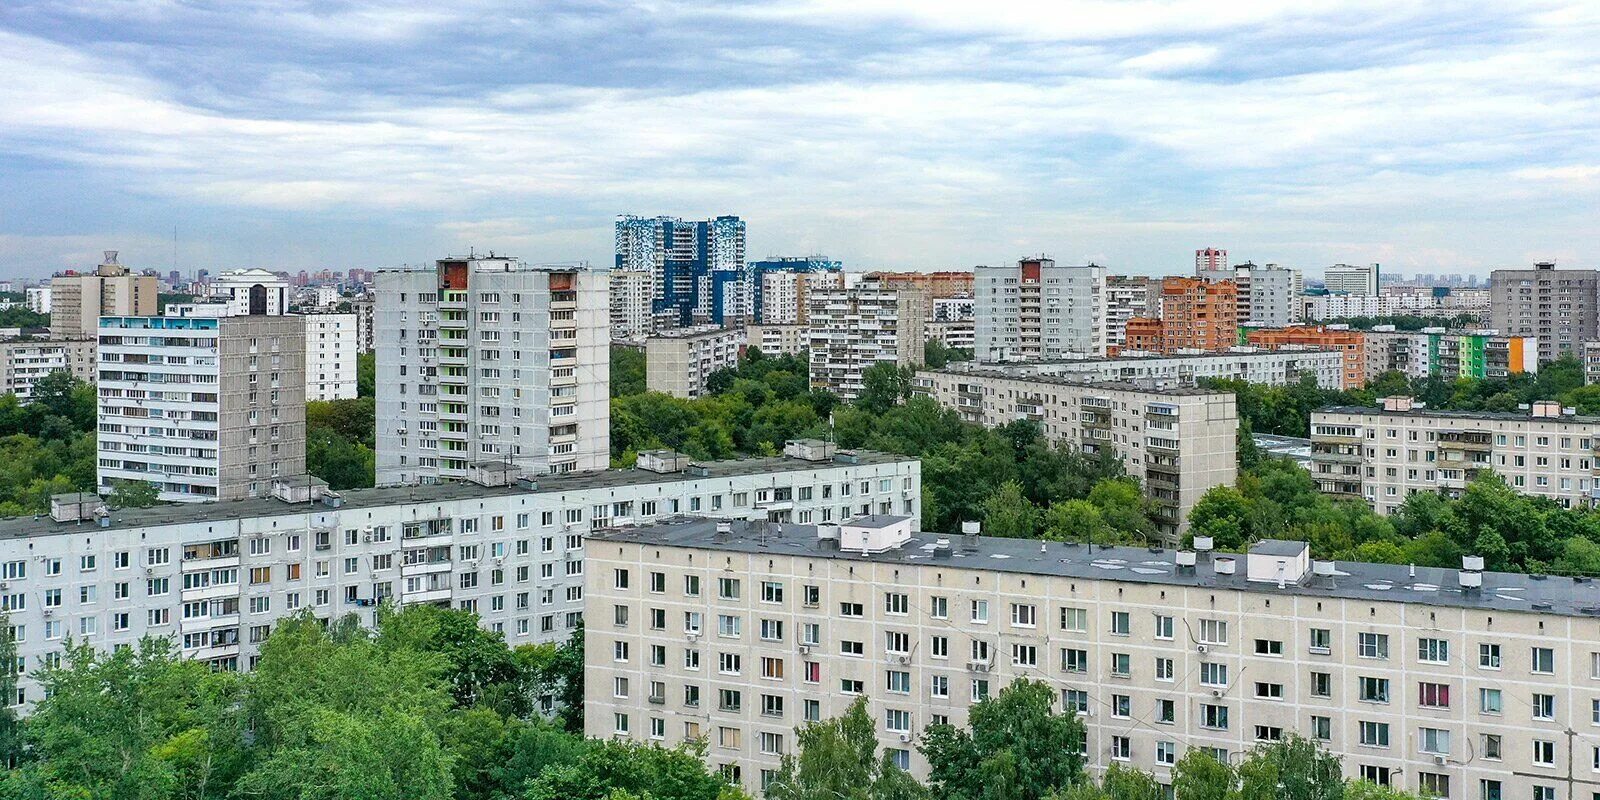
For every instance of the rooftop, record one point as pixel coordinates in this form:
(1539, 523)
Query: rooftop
(1076, 380)
(1350, 580)
(180, 513)
(1510, 416)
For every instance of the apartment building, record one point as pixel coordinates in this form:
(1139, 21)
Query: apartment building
(853, 330)
(1270, 367)
(253, 291)
(961, 334)
(937, 285)
(1268, 296)
(630, 292)
(1210, 262)
(1459, 354)
(678, 362)
(204, 407)
(1557, 306)
(1177, 442)
(780, 286)
(1196, 315)
(1128, 297)
(509, 549)
(780, 340)
(332, 344)
(1316, 308)
(1352, 279)
(491, 359)
(1591, 362)
(697, 268)
(24, 360)
(1386, 453)
(366, 312)
(1459, 684)
(1318, 337)
(37, 299)
(1039, 310)
(78, 301)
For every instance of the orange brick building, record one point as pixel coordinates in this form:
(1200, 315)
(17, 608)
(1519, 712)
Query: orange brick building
(1195, 315)
(938, 285)
(1319, 337)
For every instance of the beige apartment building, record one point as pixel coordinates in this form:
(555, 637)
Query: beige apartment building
(678, 362)
(25, 360)
(1456, 684)
(1384, 454)
(853, 330)
(1179, 442)
(78, 301)
(779, 340)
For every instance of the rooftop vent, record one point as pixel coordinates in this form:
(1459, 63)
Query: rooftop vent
(527, 483)
(1545, 409)
(1278, 561)
(76, 507)
(828, 536)
(941, 548)
(724, 531)
(1322, 569)
(1186, 561)
(661, 461)
(1203, 544)
(809, 449)
(1224, 565)
(697, 470)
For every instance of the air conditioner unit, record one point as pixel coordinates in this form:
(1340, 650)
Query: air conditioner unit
(905, 737)
(694, 637)
(149, 570)
(805, 649)
(1441, 760)
(1200, 648)
(1216, 692)
(366, 538)
(49, 612)
(902, 660)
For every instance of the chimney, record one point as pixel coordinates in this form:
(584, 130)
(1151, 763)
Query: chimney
(1223, 565)
(969, 533)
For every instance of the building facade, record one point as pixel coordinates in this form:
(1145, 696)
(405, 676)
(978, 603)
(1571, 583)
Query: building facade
(631, 292)
(678, 362)
(1128, 297)
(1459, 684)
(853, 330)
(78, 301)
(1556, 306)
(1269, 296)
(698, 268)
(24, 360)
(1343, 306)
(1039, 310)
(1196, 315)
(1437, 352)
(1352, 279)
(332, 343)
(204, 407)
(1387, 453)
(1270, 367)
(789, 278)
(37, 299)
(937, 285)
(1318, 337)
(780, 340)
(490, 359)
(511, 552)
(1177, 442)
(1210, 262)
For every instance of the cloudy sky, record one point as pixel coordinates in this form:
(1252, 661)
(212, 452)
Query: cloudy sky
(925, 134)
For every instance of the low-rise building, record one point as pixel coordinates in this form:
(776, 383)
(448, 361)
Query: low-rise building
(1150, 371)
(678, 362)
(779, 340)
(1177, 442)
(509, 548)
(1386, 453)
(24, 360)
(1591, 362)
(1446, 683)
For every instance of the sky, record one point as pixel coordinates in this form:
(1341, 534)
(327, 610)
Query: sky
(1436, 136)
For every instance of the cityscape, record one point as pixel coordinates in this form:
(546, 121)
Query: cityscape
(778, 502)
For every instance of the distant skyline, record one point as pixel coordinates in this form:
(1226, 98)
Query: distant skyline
(1448, 137)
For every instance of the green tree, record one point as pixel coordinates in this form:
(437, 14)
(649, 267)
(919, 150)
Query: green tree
(1008, 513)
(1223, 514)
(134, 494)
(838, 759)
(1292, 768)
(1367, 790)
(1016, 748)
(366, 374)
(627, 371)
(883, 386)
(1126, 783)
(1201, 776)
(1076, 521)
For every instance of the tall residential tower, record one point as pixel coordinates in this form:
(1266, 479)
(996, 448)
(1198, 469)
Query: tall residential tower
(698, 268)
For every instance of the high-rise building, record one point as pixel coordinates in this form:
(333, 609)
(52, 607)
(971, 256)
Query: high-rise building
(678, 361)
(1558, 306)
(1351, 279)
(251, 291)
(37, 299)
(488, 359)
(365, 312)
(1037, 310)
(1318, 337)
(1210, 262)
(1196, 315)
(1435, 352)
(698, 268)
(631, 292)
(785, 272)
(786, 296)
(1269, 296)
(223, 395)
(78, 301)
(852, 330)
(938, 285)
(1128, 297)
(332, 342)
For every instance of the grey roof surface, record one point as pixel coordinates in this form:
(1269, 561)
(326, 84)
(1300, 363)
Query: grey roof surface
(178, 513)
(1278, 547)
(1434, 412)
(1078, 380)
(875, 521)
(1501, 591)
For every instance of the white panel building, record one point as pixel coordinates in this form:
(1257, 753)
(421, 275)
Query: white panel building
(1038, 310)
(332, 343)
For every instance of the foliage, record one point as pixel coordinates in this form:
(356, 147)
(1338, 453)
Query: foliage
(1409, 322)
(366, 374)
(340, 446)
(21, 317)
(627, 371)
(1201, 776)
(1016, 748)
(935, 354)
(838, 758)
(134, 494)
(1292, 768)
(47, 446)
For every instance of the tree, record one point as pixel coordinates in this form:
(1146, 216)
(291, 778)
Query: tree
(1292, 768)
(883, 386)
(1017, 748)
(628, 371)
(1367, 790)
(1223, 514)
(1126, 783)
(366, 374)
(1007, 513)
(1201, 776)
(10, 726)
(838, 758)
(134, 494)
(1076, 521)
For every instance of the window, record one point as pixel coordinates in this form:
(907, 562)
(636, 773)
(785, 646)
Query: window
(1121, 665)
(1163, 628)
(1374, 690)
(1433, 784)
(1119, 623)
(1321, 641)
(939, 607)
(1212, 674)
(1544, 706)
(1321, 684)
(1023, 615)
(1543, 661)
(1489, 656)
(1544, 752)
(1489, 701)
(728, 588)
(1166, 711)
(1024, 655)
(1075, 620)
(1433, 695)
(1269, 647)
(1433, 740)
(896, 603)
(851, 610)
(940, 686)
(897, 720)
(1372, 645)
(771, 592)
(980, 611)
(1164, 669)
(1374, 734)
(1213, 631)
(1121, 748)
(1321, 728)
(1489, 790)
(1268, 733)
(1491, 746)
(1433, 651)
(1269, 691)
(1166, 753)
(1074, 660)
(1214, 717)
(620, 579)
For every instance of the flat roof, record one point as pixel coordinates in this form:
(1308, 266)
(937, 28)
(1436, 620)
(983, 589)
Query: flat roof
(1564, 596)
(1075, 380)
(180, 513)
(1509, 416)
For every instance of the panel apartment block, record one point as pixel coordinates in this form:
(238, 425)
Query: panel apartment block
(1272, 367)
(1038, 310)
(1178, 442)
(852, 330)
(678, 362)
(1384, 454)
(332, 343)
(217, 578)
(490, 359)
(24, 360)
(1454, 684)
(1556, 305)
